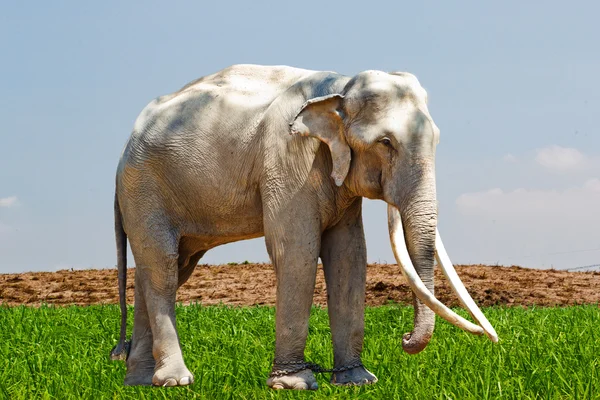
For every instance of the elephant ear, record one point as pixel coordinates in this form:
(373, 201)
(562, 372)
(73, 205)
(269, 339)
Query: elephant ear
(321, 118)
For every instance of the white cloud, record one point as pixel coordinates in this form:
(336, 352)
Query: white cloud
(8, 201)
(561, 159)
(576, 201)
(531, 227)
(592, 185)
(509, 158)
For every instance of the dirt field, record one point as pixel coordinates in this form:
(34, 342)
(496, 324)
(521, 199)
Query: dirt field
(251, 284)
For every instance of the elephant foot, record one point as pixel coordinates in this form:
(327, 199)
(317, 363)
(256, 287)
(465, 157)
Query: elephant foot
(138, 380)
(139, 377)
(140, 368)
(353, 377)
(302, 380)
(172, 374)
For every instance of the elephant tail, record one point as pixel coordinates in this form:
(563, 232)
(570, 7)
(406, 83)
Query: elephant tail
(121, 350)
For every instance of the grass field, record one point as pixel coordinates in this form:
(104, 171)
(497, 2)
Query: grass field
(550, 353)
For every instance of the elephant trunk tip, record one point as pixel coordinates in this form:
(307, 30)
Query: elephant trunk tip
(413, 343)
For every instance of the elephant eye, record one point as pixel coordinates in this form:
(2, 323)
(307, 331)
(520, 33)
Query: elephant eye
(386, 141)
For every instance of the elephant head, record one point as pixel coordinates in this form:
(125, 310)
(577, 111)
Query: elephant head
(382, 141)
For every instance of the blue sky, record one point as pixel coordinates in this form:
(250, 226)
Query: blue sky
(513, 86)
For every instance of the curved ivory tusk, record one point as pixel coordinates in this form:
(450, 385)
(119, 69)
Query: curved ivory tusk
(467, 301)
(416, 284)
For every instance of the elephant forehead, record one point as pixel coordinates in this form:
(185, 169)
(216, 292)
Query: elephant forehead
(382, 95)
(379, 81)
(388, 114)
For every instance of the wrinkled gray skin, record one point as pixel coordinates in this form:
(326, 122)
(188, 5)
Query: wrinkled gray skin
(287, 154)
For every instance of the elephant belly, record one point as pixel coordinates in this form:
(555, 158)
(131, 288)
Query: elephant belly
(205, 233)
(191, 244)
(213, 216)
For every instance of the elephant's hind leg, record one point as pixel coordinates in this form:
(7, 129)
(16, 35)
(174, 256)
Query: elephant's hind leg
(344, 256)
(157, 280)
(140, 362)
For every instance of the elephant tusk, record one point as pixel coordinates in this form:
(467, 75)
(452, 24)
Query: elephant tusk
(416, 284)
(459, 288)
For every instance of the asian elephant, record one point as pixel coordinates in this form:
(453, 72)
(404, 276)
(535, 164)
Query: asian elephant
(287, 154)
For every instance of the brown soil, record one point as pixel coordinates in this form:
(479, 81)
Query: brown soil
(251, 284)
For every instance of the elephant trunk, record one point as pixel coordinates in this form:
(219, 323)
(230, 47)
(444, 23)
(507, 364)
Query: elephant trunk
(412, 221)
(418, 213)
(421, 223)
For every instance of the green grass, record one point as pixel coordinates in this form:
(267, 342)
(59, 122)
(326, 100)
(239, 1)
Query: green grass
(543, 353)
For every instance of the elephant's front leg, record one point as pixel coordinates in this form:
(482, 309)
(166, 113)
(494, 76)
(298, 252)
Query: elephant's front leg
(344, 256)
(293, 244)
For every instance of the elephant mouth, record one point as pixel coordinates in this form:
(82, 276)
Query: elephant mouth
(400, 250)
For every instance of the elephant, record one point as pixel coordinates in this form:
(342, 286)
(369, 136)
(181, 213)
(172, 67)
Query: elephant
(288, 154)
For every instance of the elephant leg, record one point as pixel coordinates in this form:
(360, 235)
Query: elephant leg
(140, 362)
(344, 256)
(157, 277)
(293, 245)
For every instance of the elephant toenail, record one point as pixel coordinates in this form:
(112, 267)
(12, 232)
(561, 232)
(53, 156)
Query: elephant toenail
(277, 386)
(170, 382)
(301, 386)
(186, 380)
